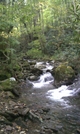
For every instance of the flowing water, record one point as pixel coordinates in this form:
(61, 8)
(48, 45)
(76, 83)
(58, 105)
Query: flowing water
(63, 104)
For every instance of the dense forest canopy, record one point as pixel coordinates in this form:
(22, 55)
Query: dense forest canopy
(40, 28)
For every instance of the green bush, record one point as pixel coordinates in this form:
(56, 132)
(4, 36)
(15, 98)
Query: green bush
(34, 53)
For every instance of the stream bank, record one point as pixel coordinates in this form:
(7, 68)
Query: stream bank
(32, 112)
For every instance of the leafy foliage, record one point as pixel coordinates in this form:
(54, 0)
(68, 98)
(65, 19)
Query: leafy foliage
(40, 27)
(34, 53)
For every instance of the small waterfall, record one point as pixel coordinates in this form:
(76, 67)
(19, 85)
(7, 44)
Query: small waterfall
(44, 66)
(48, 67)
(45, 79)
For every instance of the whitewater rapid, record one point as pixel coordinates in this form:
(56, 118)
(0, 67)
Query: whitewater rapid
(46, 78)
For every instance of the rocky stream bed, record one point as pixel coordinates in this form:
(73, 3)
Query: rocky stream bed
(29, 109)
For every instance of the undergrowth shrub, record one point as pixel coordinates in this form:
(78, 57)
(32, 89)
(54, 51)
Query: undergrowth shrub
(34, 53)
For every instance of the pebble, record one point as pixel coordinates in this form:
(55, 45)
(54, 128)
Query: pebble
(22, 132)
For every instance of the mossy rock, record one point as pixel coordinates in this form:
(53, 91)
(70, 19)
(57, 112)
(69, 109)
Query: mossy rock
(7, 85)
(63, 74)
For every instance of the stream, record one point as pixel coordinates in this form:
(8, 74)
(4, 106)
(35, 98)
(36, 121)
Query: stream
(58, 107)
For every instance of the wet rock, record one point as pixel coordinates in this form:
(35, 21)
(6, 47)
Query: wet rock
(52, 129)
(15, 92)
(47, 131)
(77, 92)
(46, 110)
(28, 83)
(34, 117)
(25, 111)
(33, 78)
(48, 79)
(36, 71)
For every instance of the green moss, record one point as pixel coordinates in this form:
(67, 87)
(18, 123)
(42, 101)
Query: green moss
(7, 84)
(64, 72)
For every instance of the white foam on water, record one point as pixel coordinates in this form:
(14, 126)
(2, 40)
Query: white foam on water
(48, 67)
(45, 79)
(45, 66)
(39, 63)
(58, 94)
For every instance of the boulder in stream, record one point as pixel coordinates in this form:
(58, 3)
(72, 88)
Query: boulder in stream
(63, 74)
